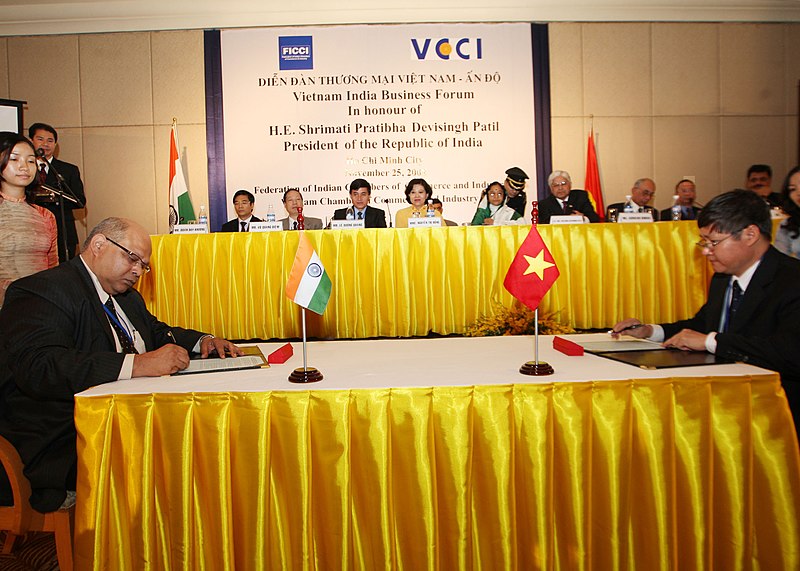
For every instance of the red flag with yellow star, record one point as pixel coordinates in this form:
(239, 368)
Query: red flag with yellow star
(532, 271)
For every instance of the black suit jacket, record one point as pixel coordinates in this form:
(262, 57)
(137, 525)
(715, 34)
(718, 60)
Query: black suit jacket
(666, 214)
(72, 177)
(234, 226)
(373, 217)
(56, 341)
(766, 329)
(578, 200)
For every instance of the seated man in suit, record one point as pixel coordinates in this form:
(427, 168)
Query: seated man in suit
(753, 307)
(686, 193)
(759, 180)
(563, 200)
(243, 204)
(45, 140)
(642, 192)
(70, 328)
(360, 192)
(292, 200)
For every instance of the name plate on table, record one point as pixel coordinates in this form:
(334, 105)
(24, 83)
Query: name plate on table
(347, 224)
(190, 229)
(427, 222)
(567, 219)
(266, 226)
(626, 217)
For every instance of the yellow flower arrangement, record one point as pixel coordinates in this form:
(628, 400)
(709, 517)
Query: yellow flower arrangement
(516, 320)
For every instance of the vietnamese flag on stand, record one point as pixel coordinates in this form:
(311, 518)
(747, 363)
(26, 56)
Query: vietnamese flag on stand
(532, 271)
(592, 182)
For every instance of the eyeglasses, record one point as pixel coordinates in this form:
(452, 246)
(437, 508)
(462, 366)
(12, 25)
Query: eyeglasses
(711, 244)
(133, 257)
(562, 183)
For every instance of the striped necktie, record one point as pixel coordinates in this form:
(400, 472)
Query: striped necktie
(124, 340)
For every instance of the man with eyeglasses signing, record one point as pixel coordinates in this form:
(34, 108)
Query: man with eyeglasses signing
(72, 327)
(753, 309)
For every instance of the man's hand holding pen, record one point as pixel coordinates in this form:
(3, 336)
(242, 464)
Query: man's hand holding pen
(632, 327)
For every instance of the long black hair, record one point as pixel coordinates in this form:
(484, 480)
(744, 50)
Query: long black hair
(792, 224)
(9, 140)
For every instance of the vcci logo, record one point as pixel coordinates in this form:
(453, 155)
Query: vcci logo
(296, 52)
(465, 48)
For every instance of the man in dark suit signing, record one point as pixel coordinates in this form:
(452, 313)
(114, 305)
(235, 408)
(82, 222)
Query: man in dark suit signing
(360, 192)
(45, 137)
(564, 201)
(243, 204)
(752, 313)
(72, 327)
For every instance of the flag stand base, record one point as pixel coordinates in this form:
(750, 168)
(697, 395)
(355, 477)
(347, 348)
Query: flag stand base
(308, 375)
(535, 368)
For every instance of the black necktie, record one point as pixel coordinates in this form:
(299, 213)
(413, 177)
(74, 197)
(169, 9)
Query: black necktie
(124, 341)
(736, 300)
(565, 207)
(294, 225)
(244, 226)
(360, 215)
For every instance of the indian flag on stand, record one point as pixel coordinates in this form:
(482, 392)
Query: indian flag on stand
(309, 285)
(180, 204)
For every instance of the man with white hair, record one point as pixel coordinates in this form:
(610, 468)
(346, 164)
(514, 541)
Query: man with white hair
(564, 200)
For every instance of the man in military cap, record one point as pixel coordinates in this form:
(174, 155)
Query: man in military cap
(515, 189)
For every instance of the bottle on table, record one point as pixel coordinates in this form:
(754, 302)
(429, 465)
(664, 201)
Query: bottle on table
(270, 214)
(202, 218)
(430, 213)
(628, 204)
(676, 208)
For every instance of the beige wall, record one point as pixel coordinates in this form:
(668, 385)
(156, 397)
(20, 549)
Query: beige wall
(668, 100)
(112, 98)
(675, 100)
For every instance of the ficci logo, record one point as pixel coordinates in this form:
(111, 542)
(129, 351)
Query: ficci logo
(295, 50)
(465, 48)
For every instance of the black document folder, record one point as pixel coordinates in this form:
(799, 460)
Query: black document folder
(662, 358)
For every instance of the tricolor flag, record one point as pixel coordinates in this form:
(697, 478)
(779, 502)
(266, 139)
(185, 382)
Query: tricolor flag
(532, 271)
(592, 181)
(180, 204)
(309, 285)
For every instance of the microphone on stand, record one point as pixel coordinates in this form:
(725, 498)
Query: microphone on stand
(40, 153)
(378, 200)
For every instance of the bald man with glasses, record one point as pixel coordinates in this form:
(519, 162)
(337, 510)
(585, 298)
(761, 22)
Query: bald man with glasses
(72, 327)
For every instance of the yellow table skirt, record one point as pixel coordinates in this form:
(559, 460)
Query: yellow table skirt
(409, 282)
(688, 473)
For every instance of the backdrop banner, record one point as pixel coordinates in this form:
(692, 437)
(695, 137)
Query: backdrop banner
(316, 107)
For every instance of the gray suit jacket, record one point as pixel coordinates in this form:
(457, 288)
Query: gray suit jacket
(310, 223)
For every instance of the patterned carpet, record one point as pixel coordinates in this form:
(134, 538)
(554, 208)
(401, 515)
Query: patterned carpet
(33, 552)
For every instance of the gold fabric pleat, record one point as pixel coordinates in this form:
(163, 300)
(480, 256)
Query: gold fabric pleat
(675, 473)
(409, 282)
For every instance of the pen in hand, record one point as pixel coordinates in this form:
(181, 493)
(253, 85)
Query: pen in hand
(171, 336)
(628, 328)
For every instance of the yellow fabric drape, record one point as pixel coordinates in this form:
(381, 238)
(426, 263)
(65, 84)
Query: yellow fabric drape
(408, 282)
(676, 473)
